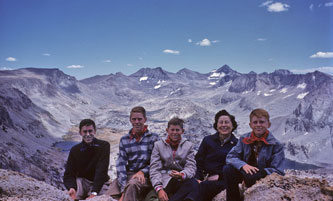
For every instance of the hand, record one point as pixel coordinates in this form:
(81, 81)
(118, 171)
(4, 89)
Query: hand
(199, 181)
(91, 196)
(175, 174)
(250, 169)
(140, 176)
(72, 193)
(162, 196)
(122, 197)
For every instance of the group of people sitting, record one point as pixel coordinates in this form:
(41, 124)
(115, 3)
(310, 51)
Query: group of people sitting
(154, 169)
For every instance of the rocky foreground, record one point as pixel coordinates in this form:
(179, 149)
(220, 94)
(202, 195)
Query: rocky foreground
(296, 185)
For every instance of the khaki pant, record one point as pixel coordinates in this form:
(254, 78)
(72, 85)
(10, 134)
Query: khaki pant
(133, 191)
(84, 187)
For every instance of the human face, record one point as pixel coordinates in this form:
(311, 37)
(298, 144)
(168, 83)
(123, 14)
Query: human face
(138, 121)
(224, 125)
(175, 132)
(259, 125)
(88, 133)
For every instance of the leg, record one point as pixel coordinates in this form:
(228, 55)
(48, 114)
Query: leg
(151, 196)
(84, 186)
(232, 177)
(187, 190)
(209, 189)
(134, 190)
(251, 179)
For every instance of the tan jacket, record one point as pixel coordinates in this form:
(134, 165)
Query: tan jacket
(163, 161)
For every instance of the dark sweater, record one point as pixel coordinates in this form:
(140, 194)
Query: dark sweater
(90, 161)
(211, 155)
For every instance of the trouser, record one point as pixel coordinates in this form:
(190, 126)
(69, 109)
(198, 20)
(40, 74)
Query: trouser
(133, 191)
(84, 187)
(209, 189)
(233, 177)
(182, 190)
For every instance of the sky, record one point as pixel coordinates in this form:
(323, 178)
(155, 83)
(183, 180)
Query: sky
(84, 38)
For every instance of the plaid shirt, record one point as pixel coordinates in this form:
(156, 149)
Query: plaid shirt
(134, 156)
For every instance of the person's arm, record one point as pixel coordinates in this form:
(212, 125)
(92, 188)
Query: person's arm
(146, 169)
(121, 166)
(190, 165)
(234, 157)
(70, 172)
(277, 160)
(101, 171)
(155, 168)
(200, 160)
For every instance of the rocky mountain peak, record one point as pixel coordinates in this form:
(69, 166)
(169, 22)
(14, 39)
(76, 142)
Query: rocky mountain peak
(155, 73)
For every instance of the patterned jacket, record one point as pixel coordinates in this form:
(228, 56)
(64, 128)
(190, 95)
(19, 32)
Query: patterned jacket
(134, 156)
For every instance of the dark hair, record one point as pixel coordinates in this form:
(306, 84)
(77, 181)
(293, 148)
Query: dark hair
(138, 109)
(225, 113)
(176, 121)
(87, 122)
(259, 113)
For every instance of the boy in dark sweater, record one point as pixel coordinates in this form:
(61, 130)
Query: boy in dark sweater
(87, 166)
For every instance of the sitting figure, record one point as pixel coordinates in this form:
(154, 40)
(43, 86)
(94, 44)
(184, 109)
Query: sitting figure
(132, 182)
(256, 155)
(86, 174)
(173, 167)
(212, 153)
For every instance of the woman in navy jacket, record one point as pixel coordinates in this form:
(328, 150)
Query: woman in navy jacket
(212, 154)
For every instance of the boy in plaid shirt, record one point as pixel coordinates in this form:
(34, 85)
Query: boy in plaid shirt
(132, 166)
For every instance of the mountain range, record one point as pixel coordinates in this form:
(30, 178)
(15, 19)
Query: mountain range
(39, 107)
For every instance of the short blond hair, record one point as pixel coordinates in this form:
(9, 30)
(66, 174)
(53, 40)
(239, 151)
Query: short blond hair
(259, 113)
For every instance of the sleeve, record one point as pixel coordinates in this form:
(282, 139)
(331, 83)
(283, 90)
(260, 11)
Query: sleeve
(101, 172)
(200, 160)
(277, 163)
(146, 169)
(155, 167)
(190, 165)
(234, 157)
(69, 175)
(121, 166)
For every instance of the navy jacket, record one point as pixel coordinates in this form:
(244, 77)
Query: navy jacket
(211, 155)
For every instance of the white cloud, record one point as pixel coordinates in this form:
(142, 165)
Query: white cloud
(168, 51)
(11, 59)
(140, 58)
(204, 42)
(275, 7)
(261, 39)
(278, 7)
(322, 55)
(46, 54)
(328, 70)
(215, 41)
(130, 65)
(311, 7)
(329, 4)
(266, 3)
(6, 68)
(107, 61)
(75, 66)
(189, 40)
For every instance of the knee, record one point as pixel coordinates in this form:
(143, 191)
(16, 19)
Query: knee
(227, 169)
(133, 182)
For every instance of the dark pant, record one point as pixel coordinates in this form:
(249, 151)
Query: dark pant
(209, 189)
(182, 190)
(233, 177)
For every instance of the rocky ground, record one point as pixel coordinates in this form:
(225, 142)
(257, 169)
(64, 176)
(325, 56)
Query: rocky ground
(295, 186)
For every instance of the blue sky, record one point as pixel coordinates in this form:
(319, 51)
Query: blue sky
(84, 38)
